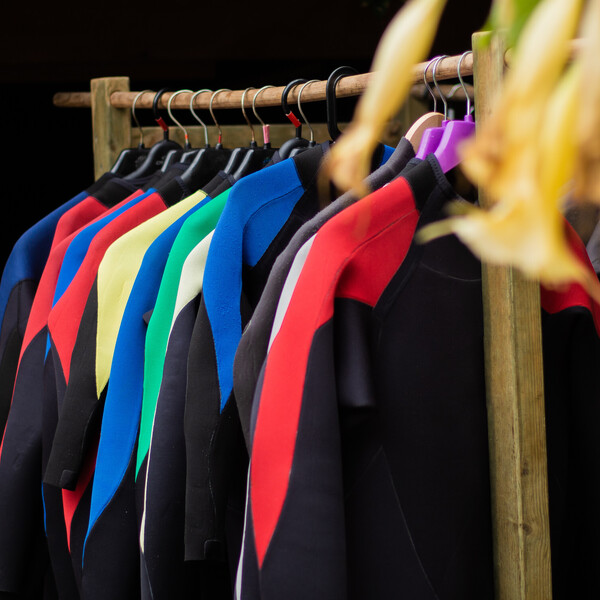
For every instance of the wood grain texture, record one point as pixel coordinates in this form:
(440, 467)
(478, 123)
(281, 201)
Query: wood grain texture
(111, 126)
(418, 91)
(353, 85)
(515, 398)
(421, 125)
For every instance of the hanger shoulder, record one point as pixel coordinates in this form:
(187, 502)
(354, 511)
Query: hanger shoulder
(418, 128)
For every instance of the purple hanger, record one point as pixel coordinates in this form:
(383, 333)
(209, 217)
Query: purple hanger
(455, 132)
(430, 141)
(432, 137)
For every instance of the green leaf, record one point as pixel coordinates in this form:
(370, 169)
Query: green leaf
(521, 11)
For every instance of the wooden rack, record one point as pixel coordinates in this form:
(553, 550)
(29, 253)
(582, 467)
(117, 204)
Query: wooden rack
(512, 320)
(111, 100)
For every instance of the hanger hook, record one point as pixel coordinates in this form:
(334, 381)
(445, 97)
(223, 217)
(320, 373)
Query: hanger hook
(429, 88)
(462, 83)
(141, 144)
(157, 117)
(287, 111)
(453, 91)
(185, 133)
(254, 102)
(212, 114)
(197, 117)
(265, 127)
(437, 87)
(252, 138)
(312, 133)
(331, 98)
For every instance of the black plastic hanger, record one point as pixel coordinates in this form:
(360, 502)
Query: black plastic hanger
(208, 161)
(158, 152)
(331, 99)
(332, 122)
(130, 159)
(297, 141)
(256, 157)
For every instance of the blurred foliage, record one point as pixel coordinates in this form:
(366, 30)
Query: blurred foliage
(510, 16)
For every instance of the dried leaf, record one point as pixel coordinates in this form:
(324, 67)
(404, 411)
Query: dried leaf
(405, 42)
(538, 61)
(587, 167)
(525, 227)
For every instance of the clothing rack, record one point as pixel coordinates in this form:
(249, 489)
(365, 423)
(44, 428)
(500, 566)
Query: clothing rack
(512, 317)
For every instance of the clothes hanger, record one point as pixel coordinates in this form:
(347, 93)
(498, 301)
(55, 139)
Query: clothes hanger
(311, 141)
(331, 99)
(158, 152)
(207, 161)
(297, 141)
(455, 132)
(449, 96)
(256, 158)
(430, 120)
(130, 158)
(174, 155)
(188, 155)
(431, 137)
(237, 154)
(331, 102)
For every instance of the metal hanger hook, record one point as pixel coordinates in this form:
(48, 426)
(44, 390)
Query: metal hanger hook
(197, 117)
(260, 91)
(265, 127)
(462, 83)
(312, 133)
(449, 96)
(212, 114)
(453, 91)
(429, 88)
(141, 144)
(185, 133)
(437, 87)
(252, 138)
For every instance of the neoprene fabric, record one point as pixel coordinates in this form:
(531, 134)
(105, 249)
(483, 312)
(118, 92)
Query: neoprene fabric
(213, 392)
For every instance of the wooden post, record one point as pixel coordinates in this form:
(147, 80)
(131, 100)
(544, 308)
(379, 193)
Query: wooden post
(515, 397)
(111, 126)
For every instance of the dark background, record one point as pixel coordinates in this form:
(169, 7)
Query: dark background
(59, 46)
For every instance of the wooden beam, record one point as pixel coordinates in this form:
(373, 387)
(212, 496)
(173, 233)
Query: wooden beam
(111, 126)
(418, 91)
(352, 85)
(72, 99)
(515, 397)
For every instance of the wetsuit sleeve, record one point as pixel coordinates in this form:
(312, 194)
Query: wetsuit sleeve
(81, 411)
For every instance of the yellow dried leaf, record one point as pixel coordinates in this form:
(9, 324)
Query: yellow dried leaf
(542, 51)
(405, 42)
(525, 227)
(557, 141)
(537, 64)
(587, 167)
